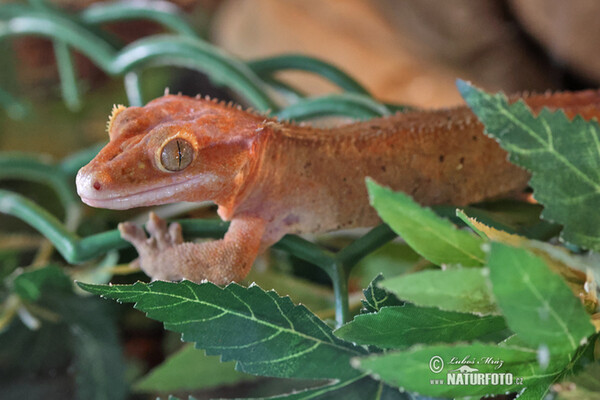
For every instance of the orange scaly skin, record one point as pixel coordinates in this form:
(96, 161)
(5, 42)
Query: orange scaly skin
(271, 178)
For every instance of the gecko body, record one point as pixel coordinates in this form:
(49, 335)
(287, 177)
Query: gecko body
(270, 178)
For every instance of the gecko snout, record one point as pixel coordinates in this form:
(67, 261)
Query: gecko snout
(89, 185)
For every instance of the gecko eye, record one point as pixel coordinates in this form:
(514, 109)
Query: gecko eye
(176, 155)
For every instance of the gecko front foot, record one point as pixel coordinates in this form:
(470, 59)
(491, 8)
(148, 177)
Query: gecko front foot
(165, 256)
(154, 251)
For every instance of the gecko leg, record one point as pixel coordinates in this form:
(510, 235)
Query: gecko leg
(165, 256)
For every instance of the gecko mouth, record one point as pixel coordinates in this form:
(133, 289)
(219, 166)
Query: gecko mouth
(89, 194)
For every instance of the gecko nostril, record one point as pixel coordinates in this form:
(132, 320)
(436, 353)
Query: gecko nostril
(97, 185)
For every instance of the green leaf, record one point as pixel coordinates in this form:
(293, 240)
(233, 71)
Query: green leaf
(82, 343)
(463, 290)
(562, 155)
(537, 303)
(576, 270)
(190, 369)
(266, 334)
(401, 327)
(30, 284)
(410, 370)
(27, 352)
(89, 333)
(376, 297)
(435, 238)
(98, 359)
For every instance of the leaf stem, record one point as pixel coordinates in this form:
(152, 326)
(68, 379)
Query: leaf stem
(339, 278)
(350, 255)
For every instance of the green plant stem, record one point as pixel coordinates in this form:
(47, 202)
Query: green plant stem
(286, 91)
(66, 68)
(68, 75)
(162, 12)
(350, 255)
(153, 51)
(186, 50)
(345, 259)
(44, 222)
(307, 251)
(395, 108)
(268, 66)
(194, 54)
(77, 250)
(133, 88)
(15, 108)
(34, 169)
(339, 278)
(16, 20)
(345, 104)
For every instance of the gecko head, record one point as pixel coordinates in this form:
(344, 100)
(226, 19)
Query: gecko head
(175, 148)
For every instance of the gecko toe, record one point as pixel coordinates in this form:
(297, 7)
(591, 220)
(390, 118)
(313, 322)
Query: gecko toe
(162, 237)
(175, 233)
(132, 233)
(156, 225)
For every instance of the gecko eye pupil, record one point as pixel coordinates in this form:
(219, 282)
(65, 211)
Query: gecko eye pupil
(176, 155)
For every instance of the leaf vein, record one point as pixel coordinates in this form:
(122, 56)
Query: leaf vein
(258, 321)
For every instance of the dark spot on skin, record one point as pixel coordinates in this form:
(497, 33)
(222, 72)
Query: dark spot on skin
(474, 138)
(462, 160)
(307, 165)
(383, 168)
(441, 158)
(97, 185)
(345, 179)
(291, 220)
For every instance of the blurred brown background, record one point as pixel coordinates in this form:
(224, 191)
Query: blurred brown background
(413, 50)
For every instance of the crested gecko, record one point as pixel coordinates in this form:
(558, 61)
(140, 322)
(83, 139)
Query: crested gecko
(270, 178)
